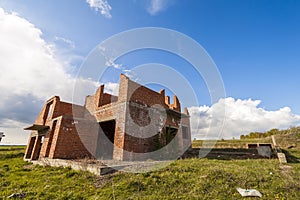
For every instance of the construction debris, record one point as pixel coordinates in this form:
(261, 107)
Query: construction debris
(21, 195)
(249, 192)
(282, 158)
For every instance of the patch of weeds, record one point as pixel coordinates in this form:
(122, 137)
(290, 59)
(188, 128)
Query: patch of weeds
(5, 183)
(72, 196)
(136, 186)
(6, 168)
(71, 173)
(146, 174)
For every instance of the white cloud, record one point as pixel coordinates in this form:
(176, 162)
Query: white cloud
(110, 63)
(27, 62)
(242, 117)
(66, 41)
(157, 6)
(102, 6)
(14, 133)
(30, 73)
(15, 136)
(111, 88)
(63, 50)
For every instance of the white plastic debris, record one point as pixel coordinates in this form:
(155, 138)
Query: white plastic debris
(17, 195)
(249, 192)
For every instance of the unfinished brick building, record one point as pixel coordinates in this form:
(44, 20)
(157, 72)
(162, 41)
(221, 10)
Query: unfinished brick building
(138, 124)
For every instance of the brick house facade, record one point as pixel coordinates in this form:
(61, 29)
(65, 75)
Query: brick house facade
(138, 124)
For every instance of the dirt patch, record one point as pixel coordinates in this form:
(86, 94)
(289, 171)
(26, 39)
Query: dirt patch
(101, 181)
(286, 170)
(90, 161)
(29, 167)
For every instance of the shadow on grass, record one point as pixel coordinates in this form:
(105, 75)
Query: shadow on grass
(290, 157)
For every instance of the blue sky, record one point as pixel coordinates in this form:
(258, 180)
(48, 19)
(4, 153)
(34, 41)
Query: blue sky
(255, 44)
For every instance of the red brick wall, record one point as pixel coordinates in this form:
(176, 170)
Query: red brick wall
(66, 142)
(143, 95)
(141, 116)
(108, 98)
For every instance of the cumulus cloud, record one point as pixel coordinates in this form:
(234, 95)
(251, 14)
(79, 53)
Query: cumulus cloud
(30, 72)
(27, 62)
(242, 117)
(111, 88)
(101, 6)
(157, 6)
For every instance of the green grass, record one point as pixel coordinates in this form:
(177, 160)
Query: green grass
(183, 179)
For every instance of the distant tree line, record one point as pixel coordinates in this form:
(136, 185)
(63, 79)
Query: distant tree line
(275, 131)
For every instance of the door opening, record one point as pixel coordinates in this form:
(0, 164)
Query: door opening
(50, 139)
(106, 137)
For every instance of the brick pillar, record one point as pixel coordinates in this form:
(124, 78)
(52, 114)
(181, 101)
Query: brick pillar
(167, 100)
(119, 142)
(36, 149)
(99, 96)
(180, 138)
(123, 88)
(29, 148)
(176, 104)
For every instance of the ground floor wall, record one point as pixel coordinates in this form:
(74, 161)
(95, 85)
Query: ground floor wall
(124, 131)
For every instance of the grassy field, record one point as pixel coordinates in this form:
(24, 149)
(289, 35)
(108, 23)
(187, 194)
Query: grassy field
(183, 179)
